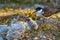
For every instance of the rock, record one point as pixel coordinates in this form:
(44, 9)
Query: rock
(16, 31)
(3, 28)
(43, 38)
(1, 38)
(36, 38)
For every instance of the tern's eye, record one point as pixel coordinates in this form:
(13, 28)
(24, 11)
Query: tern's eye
(39, 8)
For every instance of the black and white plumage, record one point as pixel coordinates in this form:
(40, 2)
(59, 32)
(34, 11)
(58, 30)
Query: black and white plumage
(40, 9)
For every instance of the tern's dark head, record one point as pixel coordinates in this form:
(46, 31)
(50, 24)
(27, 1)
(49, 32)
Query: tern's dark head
(38, 8)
